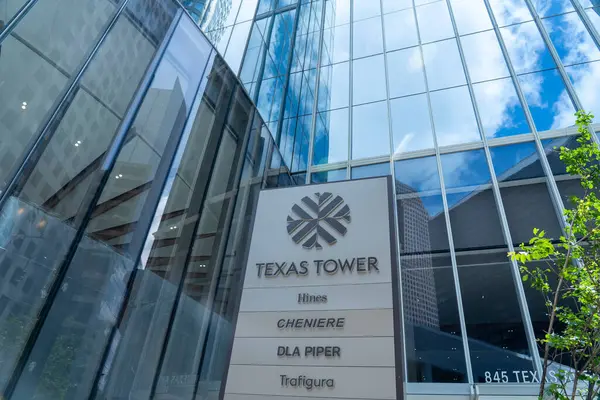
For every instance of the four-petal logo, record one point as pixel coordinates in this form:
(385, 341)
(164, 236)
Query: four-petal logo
(318, 219)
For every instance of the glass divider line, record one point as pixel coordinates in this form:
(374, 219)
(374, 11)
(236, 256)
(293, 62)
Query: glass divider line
(400, 306)
(313, 126)
(524, 308)
(350, 86)
(461, 315)
(14, 21)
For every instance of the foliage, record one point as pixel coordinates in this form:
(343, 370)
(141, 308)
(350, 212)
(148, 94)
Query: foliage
(567, 272)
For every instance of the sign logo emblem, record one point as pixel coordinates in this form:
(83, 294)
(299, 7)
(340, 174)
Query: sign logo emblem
(318, 219)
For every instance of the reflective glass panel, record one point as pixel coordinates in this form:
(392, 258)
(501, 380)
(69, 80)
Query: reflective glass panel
(585, 79)
(331, 137)
(545, 8)
(334, 89)
(470, 16)
(365, 9)
(434, 22)
(411, 125)
(370, 131)
(525, 196)
(548, 100)
(497, 340)
(510, 12)
(484, 57)
(237, 44)
(453, 116)
(526, 48)
(568, 185)
(368, 39)
(432, 327)
(500, 109)
(443, 65)
(341, 12)
(265, 6)
(572, 41)
(341, 44)
(368, 80)
(473, 213)
(395, 5)
(328, 176)
(406, 72)
(247, 10)
(370, 171)
(400, 30)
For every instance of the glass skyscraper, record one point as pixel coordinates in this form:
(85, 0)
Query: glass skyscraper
(135, 136)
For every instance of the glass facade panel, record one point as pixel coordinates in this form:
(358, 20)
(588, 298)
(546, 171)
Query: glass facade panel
(470, 16)
(442, 65)
(434, 22)
(331, 137)
(370, 137)
(547, 99)
(334, 87)
(546, 8)
(368, 78)
(453, 116)
(406, 72)
(571, 40)
(395, 5)
(329, 176)
(400, 30)
(484, 57)
(341, 44)
(499, 108)
(584, 78)
(365, 9)
(525, 196)
(371, 39)
(371, 171)
(526, 48)
(510, 12)
(411, 124)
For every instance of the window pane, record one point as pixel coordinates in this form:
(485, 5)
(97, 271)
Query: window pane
(395, 5)
(548, 100)
(328, 176)
(366, 9)
(471, 16)
(334, 90)
(369, 80)
(525, 196)
(526, 48)
(510, 12)
(473, 213)
(341, 44)
(453, 116)
(434, 22)
(572, 41)
(411, 125)
(493, 318)
(237, 43)
(265, 6)
(370, 171)
(400, 30)
(484, 57)
(434, 348)
(370, 137)
(406, 72)
(500, 109)
(342, 12)
(545, 8)
(585, 78)
(331, 137)
(368, 38)
(443, 65)
(247, 11)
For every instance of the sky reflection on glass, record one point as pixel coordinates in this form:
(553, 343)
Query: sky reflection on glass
(406, 72)
(516, 161)
(470, 16)
(401, 30)
(453, 116)
(370, 171)
(526, 48)
(442, 65)
(434, 22)
(411, 126)
(499, 108)
(371, 37)
(370, 129)
(331, 137)
(509, 12)
(484, 57)
(369, 80)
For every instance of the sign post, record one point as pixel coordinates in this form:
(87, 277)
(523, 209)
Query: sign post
(319, 315)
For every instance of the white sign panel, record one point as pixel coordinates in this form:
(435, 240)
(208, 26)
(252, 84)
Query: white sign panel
(317, 318)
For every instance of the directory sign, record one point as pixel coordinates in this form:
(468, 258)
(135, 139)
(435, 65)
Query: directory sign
(318, 313)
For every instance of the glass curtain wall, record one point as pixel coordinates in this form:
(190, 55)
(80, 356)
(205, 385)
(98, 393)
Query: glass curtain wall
(462, 102)
(131, 159)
